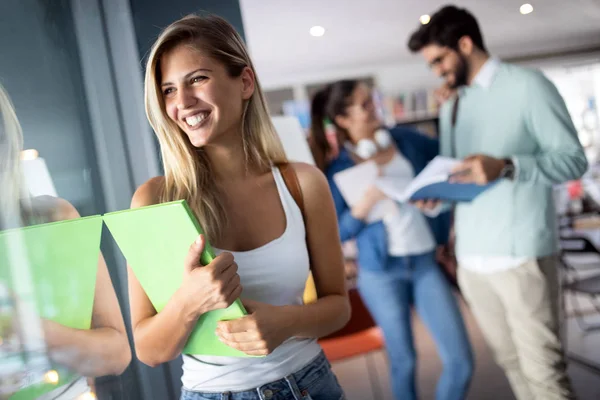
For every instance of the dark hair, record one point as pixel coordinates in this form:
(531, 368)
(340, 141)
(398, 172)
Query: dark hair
(445, 28)
(327, 104)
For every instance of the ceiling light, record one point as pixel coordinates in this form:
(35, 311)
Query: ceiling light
(317, 31)
(28, 155)
(425, 19)
(526, 9)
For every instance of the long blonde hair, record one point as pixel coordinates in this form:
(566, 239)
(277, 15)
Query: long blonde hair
(187, 169)
(11, 143)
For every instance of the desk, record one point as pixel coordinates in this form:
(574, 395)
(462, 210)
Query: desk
(582, 347)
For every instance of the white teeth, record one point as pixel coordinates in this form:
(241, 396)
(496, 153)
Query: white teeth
(196, 119)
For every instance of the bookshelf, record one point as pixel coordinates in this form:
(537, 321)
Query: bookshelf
(417, 108)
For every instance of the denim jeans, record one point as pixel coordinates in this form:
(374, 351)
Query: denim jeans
(389, 295)
(315, 381)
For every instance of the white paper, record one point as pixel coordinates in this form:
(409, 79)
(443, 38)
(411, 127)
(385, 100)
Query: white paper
(293, 139)
(354, 182)
(37, 178)
(438, 170)
(393, 187)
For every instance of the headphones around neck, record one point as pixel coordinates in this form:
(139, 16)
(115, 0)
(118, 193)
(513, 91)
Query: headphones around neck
(367, 148)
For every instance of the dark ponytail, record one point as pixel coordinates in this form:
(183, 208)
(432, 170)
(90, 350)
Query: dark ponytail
(327, 104)
(318, 140)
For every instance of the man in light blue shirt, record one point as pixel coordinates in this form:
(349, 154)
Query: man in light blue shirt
(510, 125)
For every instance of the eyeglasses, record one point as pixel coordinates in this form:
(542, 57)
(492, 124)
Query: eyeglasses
(366, 105)
(439, 59)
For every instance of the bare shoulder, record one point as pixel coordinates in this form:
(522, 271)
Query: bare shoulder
(149, 193)
(312, 181)
(53, 208)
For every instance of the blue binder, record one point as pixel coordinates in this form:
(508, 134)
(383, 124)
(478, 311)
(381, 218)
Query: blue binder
(450, 192)
(433, 183)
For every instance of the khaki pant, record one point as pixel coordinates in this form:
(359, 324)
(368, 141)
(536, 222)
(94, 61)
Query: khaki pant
(518, 313)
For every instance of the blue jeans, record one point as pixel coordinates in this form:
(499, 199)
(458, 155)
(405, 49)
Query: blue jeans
(417, 281)
(315, 381)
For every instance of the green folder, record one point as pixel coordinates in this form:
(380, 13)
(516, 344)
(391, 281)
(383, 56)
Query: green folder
(53, 265)
(155, 241)
(63, 260)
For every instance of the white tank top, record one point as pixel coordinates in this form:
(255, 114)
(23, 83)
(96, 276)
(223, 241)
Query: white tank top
(407, 228)
(275, 273)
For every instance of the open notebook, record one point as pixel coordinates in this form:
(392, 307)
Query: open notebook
(432, 183)
(155, 241)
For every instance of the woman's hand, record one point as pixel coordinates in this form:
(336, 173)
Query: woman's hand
(211, 287)
(372, 196)
(260, 332)
(427, 205)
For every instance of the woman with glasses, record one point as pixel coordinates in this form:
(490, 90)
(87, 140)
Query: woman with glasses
(396, 256)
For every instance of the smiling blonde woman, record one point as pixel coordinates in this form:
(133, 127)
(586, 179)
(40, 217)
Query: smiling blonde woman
(220, 153)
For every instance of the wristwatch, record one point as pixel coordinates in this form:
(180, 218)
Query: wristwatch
(508, 171)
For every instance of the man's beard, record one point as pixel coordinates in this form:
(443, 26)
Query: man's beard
(461, 73)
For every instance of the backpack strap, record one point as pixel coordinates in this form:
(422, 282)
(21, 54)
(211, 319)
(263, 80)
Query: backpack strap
(291, 181)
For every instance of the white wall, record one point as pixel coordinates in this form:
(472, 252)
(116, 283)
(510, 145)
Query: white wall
(396, 76)
(391, 77)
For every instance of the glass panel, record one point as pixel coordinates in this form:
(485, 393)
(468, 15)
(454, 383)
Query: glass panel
(62, 334)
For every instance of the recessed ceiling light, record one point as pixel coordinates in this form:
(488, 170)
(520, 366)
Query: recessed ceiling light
(526, 9)
(317, 31)
(425, 19)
